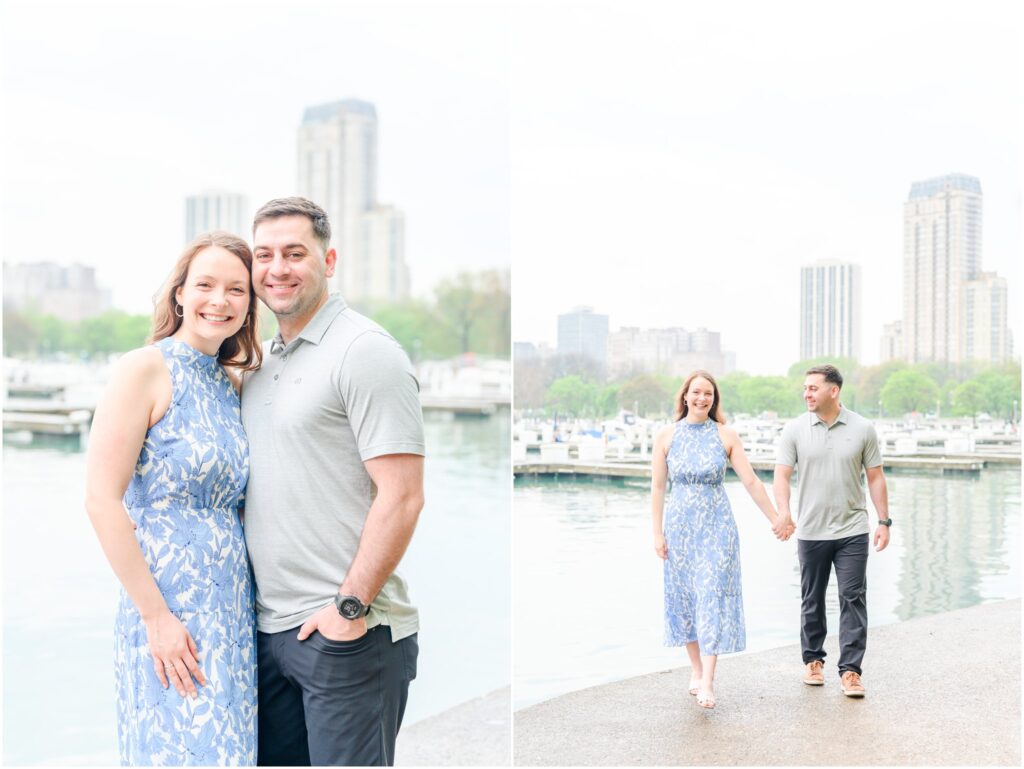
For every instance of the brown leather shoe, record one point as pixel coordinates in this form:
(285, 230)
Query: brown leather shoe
(852, 686)
(812, 673)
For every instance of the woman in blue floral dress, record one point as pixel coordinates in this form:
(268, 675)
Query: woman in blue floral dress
(167, 466)
(695, 532)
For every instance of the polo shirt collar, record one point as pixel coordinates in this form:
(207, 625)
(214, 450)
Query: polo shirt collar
(316, 328)
(815, 419)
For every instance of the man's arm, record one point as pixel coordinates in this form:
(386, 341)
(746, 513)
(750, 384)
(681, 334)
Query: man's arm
(389, 527)
(880, 499)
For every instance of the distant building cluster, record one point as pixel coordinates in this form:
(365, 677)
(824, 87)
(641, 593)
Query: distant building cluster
(69, 293)
(672, 351)
(631, 351)
(337, 170)
(952, 311)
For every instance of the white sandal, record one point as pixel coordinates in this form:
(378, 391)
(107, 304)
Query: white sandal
(694, 686)
(706, 699)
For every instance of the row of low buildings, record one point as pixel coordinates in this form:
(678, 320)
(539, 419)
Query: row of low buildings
(952, 311)
(631, 350)
(337, 167)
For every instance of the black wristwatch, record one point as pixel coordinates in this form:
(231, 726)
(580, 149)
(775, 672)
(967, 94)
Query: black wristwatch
(885, 522)
(350, 607)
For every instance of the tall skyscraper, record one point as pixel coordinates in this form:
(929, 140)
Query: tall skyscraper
(581, 331)
(216, 210)
(382, 273)
(891, 347)
(830, 310)
(941, 250)
(337, 169)
(986, 334)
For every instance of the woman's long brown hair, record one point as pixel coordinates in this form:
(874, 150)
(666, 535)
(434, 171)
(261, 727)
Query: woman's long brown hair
(241, 350)
(714, 413)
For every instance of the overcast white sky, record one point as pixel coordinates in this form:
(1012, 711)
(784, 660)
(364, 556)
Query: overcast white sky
(114, 112)
(670, 164)
(675, 165)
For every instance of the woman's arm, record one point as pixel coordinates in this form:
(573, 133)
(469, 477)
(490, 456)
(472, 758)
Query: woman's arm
(738, 458)
(659, 480)
(138, 394)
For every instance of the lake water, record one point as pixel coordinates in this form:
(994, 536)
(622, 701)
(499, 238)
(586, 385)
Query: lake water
(588, 587)
(59, 593)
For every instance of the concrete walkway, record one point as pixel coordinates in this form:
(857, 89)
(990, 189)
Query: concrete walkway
(941, 690)
(475, 733)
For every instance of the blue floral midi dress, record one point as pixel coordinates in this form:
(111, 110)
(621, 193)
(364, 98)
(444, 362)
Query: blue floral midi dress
(703, 597)
(183, 498)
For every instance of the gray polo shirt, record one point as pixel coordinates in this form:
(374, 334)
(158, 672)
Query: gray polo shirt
(340, 393)
(830, 464)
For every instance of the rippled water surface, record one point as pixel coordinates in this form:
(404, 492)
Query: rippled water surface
(60, 594)
(588, 587)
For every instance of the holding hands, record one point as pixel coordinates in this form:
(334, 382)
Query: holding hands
(175, 654)
(783, 527)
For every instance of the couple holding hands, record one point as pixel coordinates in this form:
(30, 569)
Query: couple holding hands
(832, 448)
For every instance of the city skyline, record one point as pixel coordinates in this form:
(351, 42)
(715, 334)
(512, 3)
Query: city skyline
(684, 181)
(130, 120)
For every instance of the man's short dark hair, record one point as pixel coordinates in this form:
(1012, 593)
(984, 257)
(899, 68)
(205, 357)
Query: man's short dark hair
(830, 372)
(297, 207)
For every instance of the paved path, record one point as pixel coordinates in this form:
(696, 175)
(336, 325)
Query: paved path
(941, 690)
(475, 733)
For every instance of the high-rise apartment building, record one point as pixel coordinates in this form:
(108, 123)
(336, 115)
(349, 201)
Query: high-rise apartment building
(986, 334)
(891, 347)
(217, 210)
(830, 310)
(581, 331)
(381, 248)
(337, 169)
(941, 250)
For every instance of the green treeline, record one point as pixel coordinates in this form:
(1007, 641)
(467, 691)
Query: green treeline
(468, 313)
(569, 386)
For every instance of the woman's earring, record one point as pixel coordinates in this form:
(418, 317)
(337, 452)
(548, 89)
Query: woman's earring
(179, 314)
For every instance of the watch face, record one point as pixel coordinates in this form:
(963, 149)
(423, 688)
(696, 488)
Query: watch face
(350, 608)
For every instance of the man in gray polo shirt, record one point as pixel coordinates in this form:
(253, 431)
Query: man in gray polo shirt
(832, 448)
(335, 488)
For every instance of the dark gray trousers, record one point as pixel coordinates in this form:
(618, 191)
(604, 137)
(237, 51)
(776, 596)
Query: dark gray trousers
(332, 703)
(850, 558)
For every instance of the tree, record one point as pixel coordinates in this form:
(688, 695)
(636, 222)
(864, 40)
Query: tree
(909, 390)
(528, 386)
(967, 399)
(572, 396)
(477, 308)
(418, 328)
(769, 393)
(21, 336)
(646, 394)
(870, 381)
(1000, 387)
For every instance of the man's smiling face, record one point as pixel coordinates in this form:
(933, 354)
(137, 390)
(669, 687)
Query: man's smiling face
(290, 268)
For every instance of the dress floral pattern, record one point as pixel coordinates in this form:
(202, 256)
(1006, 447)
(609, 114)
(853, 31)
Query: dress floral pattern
(703, 597)
(183, 498)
